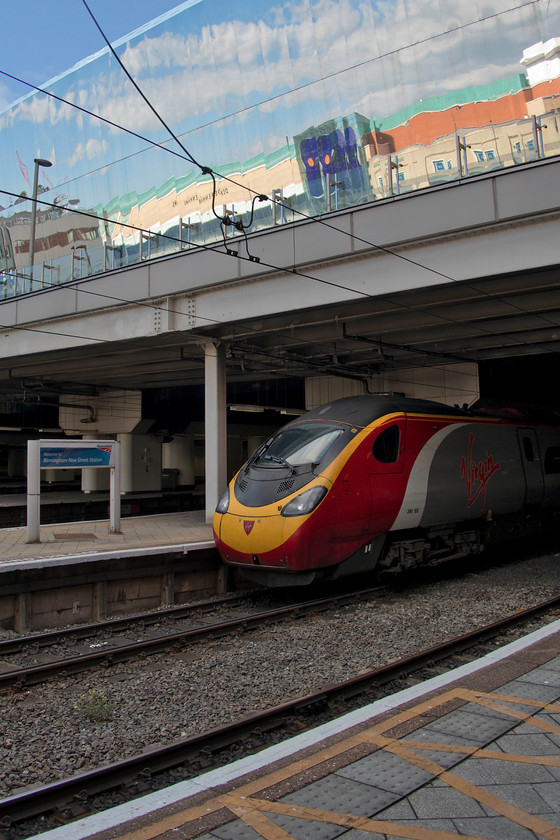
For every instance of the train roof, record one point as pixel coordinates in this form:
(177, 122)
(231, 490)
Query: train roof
(362, 410)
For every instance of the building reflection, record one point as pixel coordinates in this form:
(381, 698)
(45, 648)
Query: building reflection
(342, 162)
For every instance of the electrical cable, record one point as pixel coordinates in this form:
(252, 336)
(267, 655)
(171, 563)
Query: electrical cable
(225, 220)
(208, 171)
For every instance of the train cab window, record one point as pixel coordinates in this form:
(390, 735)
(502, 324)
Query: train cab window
(552, 460)
(386, 446)
(305, 443)
(528, 449)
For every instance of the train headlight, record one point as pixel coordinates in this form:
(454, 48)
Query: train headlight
(223, 504)
(305, 502)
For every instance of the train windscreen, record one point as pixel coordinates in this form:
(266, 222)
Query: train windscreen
(307, 443)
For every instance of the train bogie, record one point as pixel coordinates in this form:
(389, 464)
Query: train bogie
(384, 484)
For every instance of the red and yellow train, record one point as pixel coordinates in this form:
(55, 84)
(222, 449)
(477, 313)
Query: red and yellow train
(386, 484)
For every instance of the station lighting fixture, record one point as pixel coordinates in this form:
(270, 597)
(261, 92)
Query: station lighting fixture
(260, 409)
(45, 164)
(254, 409)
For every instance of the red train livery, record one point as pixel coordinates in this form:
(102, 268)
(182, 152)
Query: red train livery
(386, 484)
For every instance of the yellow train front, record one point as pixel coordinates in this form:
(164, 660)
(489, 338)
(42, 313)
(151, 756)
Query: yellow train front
(277, 513)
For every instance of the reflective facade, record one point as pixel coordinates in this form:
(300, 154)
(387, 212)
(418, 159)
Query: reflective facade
(319, 105)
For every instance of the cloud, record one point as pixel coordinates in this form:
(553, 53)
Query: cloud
(90, 150)
(233, 65)
(301, 63)
(6, 96)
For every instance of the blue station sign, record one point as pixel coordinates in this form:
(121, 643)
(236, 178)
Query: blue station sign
(76, 456)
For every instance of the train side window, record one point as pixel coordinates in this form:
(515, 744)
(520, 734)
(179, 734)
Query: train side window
(386, 445)
(528, 449)
(552, 460)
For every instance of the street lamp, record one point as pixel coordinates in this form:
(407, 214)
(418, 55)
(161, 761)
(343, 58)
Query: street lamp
(44, 163)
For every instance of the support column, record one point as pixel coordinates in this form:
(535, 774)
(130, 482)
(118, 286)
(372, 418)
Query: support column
(94, 480)
(168, 589)
(215, 426)
(33, 492)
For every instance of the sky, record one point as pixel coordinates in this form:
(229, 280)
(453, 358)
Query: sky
(43, 38)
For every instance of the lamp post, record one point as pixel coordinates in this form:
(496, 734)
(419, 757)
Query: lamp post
(44, 163)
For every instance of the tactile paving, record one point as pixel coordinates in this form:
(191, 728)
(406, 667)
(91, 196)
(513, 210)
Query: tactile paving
(337, 793)
(388, 772)
(476, 728)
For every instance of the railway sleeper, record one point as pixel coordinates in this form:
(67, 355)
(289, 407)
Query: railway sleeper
(71, 811)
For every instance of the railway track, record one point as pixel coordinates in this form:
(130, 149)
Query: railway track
(113, 651)
(75, 797)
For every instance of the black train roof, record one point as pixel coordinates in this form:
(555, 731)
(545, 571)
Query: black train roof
(362, 410)
(365, 409)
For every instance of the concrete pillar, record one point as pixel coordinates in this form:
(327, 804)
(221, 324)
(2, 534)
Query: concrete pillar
(215, 424)
(140, 463)
(99, 601)
(94, 480)
(178, 454)
(168, 589)
(21, 613)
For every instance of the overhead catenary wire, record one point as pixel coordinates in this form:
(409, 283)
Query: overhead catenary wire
(207, 170)
(317, 219)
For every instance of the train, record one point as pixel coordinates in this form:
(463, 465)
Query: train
(386, 484)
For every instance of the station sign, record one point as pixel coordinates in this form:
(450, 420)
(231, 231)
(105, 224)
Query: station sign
(76, 457)
(70, 454)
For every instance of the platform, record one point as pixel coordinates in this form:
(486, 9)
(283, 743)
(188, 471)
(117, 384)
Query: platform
(79, 541)
(79, 571)
(474, 753)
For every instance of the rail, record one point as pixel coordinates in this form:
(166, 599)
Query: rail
(71, 798)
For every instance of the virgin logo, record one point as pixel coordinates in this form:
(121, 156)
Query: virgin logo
(477, 474)
(248, 525)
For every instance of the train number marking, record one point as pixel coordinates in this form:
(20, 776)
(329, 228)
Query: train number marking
(477, 474)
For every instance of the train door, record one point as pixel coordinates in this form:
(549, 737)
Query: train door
(386, 473)
(532, 467)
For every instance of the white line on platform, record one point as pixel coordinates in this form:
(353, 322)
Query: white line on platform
(96, 556)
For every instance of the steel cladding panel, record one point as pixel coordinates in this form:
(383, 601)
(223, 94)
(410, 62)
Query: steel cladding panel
(476, 468)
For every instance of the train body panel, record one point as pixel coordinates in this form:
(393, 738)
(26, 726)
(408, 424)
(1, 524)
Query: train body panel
(382, 483)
